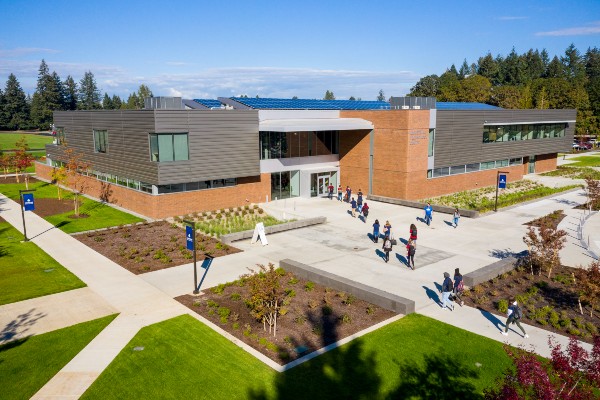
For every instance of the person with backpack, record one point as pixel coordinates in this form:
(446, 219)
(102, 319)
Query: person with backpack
(413, 234)
(515, 314)
(410, 254)
(359, 200)
(387, 247)
(428, 213)
(353, 206)
(447, 287)
(376, 231)
(459, 287)
(365, 211)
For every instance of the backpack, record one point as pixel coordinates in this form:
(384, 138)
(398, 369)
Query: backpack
(461, 286)
(518, 312)
(450, 285)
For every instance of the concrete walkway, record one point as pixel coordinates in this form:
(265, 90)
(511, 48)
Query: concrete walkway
(341, 246)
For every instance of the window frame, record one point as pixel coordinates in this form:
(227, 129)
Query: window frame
(100, 146)
(153, 137)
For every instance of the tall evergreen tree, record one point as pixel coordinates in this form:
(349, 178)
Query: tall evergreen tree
(89, 95)
(465, 70)
(555, 69)
(132, 102)
(488, 68)
(329, 95)
(116, 102)
(70, 89)
(56, 92)
(574, 66)
(41, 109)
(381, 95)
(143, 92)
(3, 116)
(107, 103)
(534, 65)
(512, 69)
(592, 69)
(15, 106)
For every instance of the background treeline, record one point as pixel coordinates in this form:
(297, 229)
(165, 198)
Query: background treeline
(528, 80)
(20, 111)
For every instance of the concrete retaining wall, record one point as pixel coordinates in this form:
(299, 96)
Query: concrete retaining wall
(232, 237)
(416, 204)
(492, 270)
(373, 295)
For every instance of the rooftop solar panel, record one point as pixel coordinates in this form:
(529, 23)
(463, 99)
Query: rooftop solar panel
(457, 105)
(211, 103)
(311, 104)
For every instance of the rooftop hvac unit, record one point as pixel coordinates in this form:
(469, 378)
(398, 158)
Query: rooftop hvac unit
(405, 107)
(416, 107)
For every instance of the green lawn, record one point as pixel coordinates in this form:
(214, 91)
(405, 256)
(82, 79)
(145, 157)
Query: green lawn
(415, 357)
(586, 161)
(23, 269)
(8, 140)
(100, 215)
(28, 364)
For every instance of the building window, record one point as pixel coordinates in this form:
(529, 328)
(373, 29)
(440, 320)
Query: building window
(169, 147)
(297, 144)
(100, 141)
(60, 135)
(509, 133)
(431, 143)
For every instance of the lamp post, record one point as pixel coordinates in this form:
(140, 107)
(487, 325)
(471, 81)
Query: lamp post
(500, 184)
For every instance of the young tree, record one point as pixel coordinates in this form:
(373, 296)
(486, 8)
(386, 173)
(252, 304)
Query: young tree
(544, 244)
(381, 95)
(22, 159)
(329, 95)
(593, 188)
(266, 296)
(89, 95)
(5, 162)
(59, 178)
(589, 285)
(75, 166)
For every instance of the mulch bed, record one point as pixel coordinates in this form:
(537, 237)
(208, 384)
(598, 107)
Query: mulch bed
(43, 207)
(558, 294)
(552, 219)
(306, 326)
(150, 247)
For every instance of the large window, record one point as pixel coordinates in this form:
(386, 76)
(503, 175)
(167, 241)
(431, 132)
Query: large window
(508, 133)
(285, 185)
(297, 144)
(100, 141)
(431, 143)
(169, 147)
(474, 167)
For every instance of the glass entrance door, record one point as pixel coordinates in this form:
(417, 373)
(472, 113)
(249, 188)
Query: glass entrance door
(323, 185)
(531, 166)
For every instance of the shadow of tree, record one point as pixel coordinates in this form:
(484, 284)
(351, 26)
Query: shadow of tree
(19, 325)
(441, 377)
(505, 253)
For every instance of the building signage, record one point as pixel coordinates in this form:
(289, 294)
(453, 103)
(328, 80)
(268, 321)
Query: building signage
(502, 181)
(189, 237)
(28, 203)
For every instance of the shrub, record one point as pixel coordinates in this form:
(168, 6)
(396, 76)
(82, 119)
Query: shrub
(283, 310)
(158, 254)
(99, 239)
(272, 346)
(370, 309)
(480, 299)
(591, 328)
(173, 238)
(502, 306)
(349, 299)
(247, 330)
(235, 296)
(280, 271)
(579, 323)
(260, 211)
(478, 289)
(312, 303)
(554, 319)
(300, 319)
(494, 293)
(218, 289)
(290, 293)
(345, 318)
(262, 342)
(309, 286)
(212, 304)
(138, 259)
(573, 331)
(317, 330)
(293, 281)
(283, 355)
(197, 303)
(287, 339)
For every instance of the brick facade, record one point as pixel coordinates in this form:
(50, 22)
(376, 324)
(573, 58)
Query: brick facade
(247, 190)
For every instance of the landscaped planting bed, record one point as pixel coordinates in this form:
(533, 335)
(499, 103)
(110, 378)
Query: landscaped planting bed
(230, 220)
(151, 246)
(574, 172)
(483, 199)
(311, 316)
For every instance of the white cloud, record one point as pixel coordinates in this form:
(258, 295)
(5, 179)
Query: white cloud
(22, 51)
(591, 29)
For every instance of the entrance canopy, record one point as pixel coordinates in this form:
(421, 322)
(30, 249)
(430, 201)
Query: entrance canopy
(314, 124)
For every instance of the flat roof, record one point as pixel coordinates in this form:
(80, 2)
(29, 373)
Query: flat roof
(311, 104)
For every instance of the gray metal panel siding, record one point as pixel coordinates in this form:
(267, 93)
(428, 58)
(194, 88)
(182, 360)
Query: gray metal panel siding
(459, 136)
(128, 150)
(222, 144)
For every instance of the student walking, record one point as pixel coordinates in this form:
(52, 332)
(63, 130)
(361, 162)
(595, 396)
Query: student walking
(456, 216)
(514, 316)
(410, 254)
(387, 229)
(340, 192)
(376, 231)
(447, 287)
(330, 190)
(359, 200)
(365, 212)
(428, 214)
(353, 206)
(459, 286)
(413, 234)
(387, 247)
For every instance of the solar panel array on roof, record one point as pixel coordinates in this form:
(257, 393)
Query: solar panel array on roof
(210, 103)
(457, 105)
(311, 104)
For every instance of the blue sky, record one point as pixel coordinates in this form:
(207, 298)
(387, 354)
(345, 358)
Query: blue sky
(205, 49)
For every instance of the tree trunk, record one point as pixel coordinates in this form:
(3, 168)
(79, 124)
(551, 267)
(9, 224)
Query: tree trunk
(580, 308)
(26, 177)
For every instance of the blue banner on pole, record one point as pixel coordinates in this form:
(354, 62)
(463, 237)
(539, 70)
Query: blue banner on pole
(28, 203)
(502, 181)
(189, 237)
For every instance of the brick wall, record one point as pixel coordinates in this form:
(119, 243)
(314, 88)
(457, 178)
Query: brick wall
(354, 160)
(545, 163)
(248, 190)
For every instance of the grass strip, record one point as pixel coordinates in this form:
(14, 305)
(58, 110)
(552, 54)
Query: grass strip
(415, 357)
(28, 364)
(26, 271)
